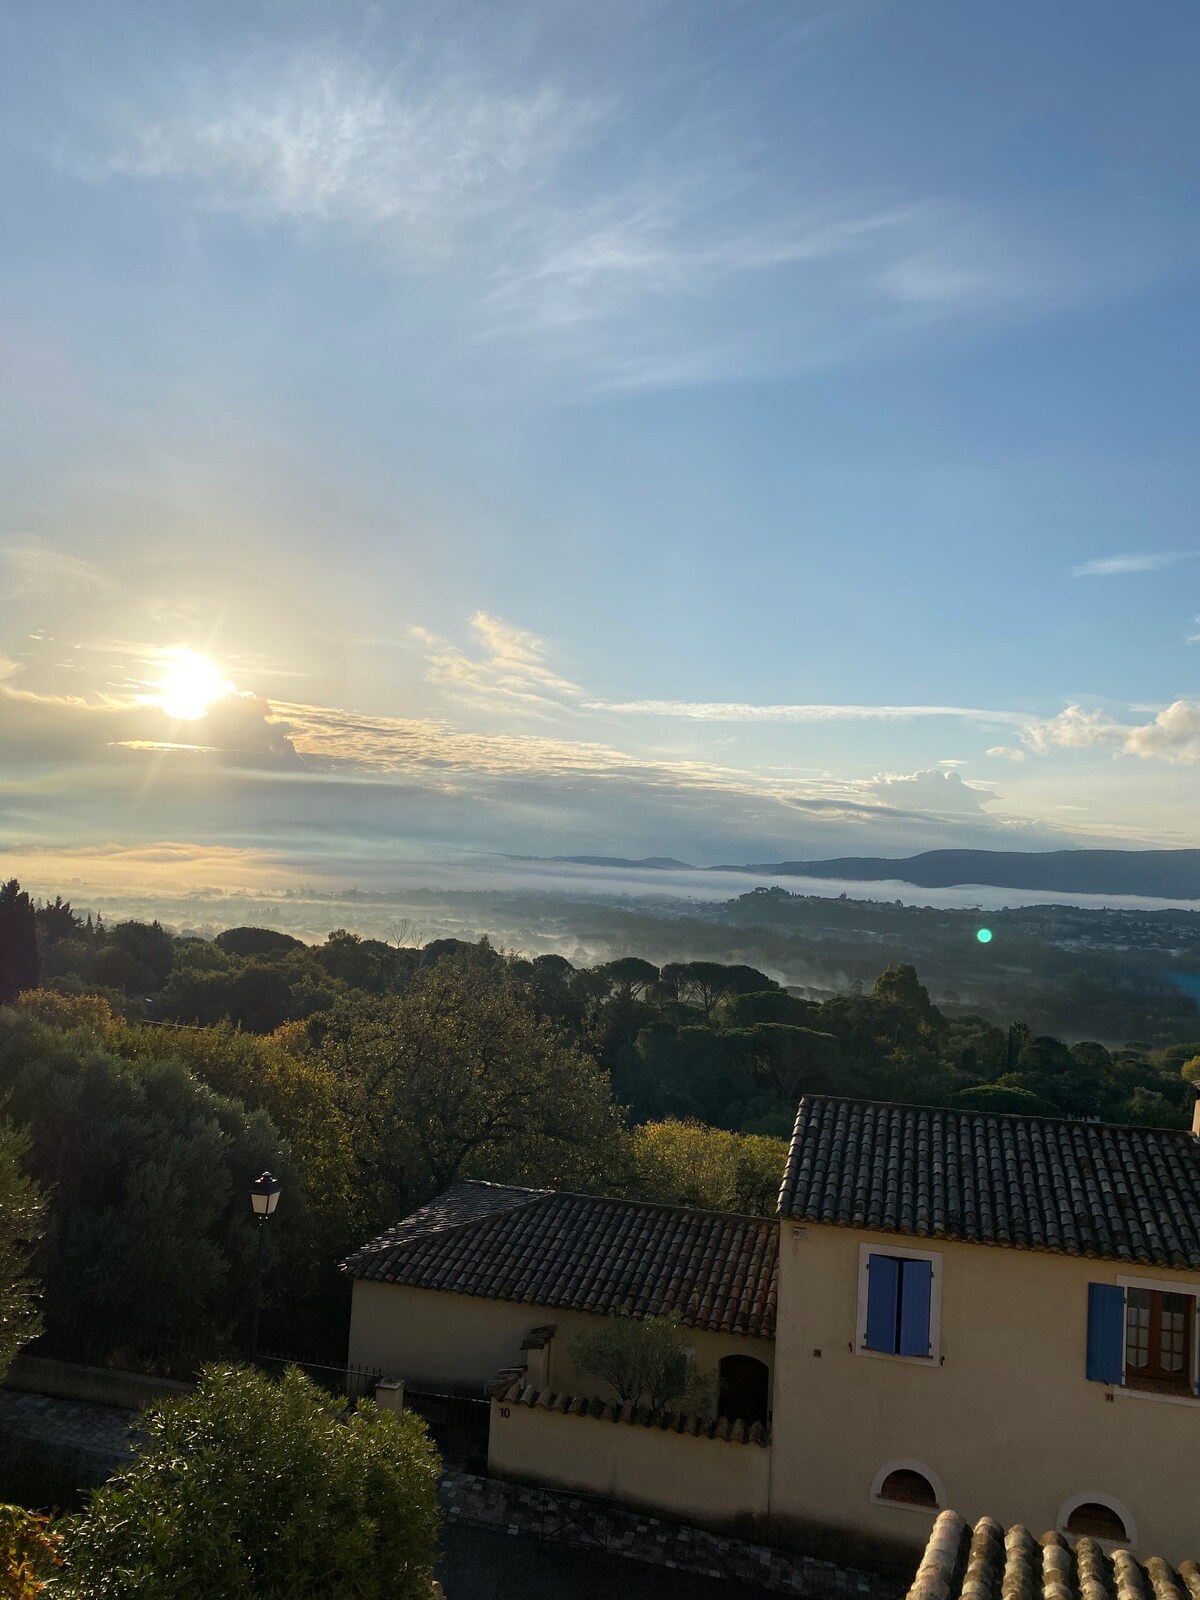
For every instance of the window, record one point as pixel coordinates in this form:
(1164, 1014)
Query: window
(908, 1488)
(897, 1305)
(1142, 1337)
(1158, 1340)
(1093, 1520)
(910, 1484)
(1095, 1515)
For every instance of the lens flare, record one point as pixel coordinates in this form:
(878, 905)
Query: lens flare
(984, 936)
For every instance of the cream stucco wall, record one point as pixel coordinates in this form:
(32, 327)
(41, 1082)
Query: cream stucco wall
(462, 1341)
(1008, 1420)
(712, 1483)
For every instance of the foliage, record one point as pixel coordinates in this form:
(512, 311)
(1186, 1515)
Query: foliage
(459, 1078)
(22, 1208)
(646, 1357)
(18, 942)
(251, 1490)
(30, 1553)
(686, 1163)
(147, 1227)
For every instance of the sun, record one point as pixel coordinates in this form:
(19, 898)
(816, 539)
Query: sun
(190, 685)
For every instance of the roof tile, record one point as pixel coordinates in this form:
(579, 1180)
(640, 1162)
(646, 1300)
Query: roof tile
(1034, 1183)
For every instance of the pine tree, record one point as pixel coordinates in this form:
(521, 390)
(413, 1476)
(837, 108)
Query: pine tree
(18, 942)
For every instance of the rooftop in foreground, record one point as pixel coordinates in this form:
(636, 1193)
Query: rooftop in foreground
(989, 1563)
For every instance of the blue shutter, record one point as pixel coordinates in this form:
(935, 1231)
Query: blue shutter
(883, 1292)
(916, 1288)
(1106, 1333)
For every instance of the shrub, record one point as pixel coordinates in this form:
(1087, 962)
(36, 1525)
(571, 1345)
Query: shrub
(252, 1490)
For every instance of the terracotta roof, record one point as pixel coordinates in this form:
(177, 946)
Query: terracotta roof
(714, 1270)
(515, 1393)
(986, 1563)
(1036, 1183)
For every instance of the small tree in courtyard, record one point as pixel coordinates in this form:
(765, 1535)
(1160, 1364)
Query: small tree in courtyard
(254, 1490)
(645, 1358)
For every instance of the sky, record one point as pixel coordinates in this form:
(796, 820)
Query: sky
(730, 431)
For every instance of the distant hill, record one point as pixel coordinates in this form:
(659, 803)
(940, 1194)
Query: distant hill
(1164, 874)
(658, 863)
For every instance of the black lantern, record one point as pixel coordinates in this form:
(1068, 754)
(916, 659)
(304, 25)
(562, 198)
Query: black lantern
(264, 1197)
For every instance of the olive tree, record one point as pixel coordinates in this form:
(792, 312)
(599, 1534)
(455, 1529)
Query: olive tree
(645, 1357)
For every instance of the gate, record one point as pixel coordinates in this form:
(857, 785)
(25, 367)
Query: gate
(458, 1424)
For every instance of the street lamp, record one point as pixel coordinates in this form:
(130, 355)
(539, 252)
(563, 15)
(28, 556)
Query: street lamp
(264, 1197)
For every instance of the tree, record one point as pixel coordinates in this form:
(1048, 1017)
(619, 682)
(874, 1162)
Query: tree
(22, 1208)
(688, 1164)
(647, 1357)
(251, 1490)
(256, 942)
(18, 942)
(147, 1236)
(459, 1078)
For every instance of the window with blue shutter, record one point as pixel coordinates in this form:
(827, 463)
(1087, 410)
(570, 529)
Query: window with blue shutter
(883, 1303)
(899, 1300)
(916, 1294)
(1106, 1333)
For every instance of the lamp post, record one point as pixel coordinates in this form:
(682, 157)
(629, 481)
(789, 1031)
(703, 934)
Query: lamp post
(264, 1197)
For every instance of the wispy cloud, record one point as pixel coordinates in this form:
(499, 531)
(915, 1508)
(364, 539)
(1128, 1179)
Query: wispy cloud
(640, 242)
(318, 140)
(1149, 561)
(28, 567)
(734, 711)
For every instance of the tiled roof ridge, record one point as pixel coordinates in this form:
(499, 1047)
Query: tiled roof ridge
(1095, 1124)
(384, 1241)
(387, 1240)
(734, 1431)
(965, 1563)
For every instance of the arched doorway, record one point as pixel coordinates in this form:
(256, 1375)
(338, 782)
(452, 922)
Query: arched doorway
(745, 1384)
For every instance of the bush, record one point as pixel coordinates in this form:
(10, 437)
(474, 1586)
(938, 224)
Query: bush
(251, 1490)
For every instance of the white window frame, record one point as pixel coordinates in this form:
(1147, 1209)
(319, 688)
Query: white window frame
(934, 1257)
(1095, 1497)
(904, 1464)
(1164, 1286)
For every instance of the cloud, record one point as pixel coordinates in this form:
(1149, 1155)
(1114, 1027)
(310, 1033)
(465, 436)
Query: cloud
(28, 568)
(325, 141)
(636, 239)
(1173, 734)
(511, 672)
(738, 711)
(1114, 566)
(1006, 752)
(934, 789)
(61, 730)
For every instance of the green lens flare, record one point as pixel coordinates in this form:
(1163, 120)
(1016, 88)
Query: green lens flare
(984, 936)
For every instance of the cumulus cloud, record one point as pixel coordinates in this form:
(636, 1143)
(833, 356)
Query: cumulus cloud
(1172, 735)
(1150, 561)
(933, 789)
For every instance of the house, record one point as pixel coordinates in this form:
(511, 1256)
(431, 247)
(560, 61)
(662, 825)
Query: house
(489, 1278)
(985, 1562)
(996, 1313)
(989, 1311)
